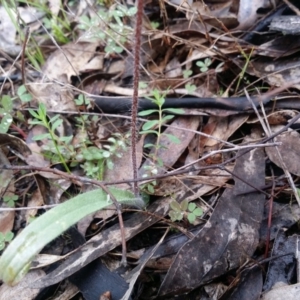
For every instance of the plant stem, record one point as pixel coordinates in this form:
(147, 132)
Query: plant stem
(135, 102)
(158, 133)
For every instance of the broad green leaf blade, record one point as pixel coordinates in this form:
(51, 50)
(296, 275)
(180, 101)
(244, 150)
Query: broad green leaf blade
(174, 139)
(175, 206)
(192, 207)
(177, 111)
(16, 259)
(5, 123)
(147, 112)
(148, 125)
(167, 118)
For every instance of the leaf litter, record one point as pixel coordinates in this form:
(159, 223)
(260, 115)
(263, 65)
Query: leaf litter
(233, 164)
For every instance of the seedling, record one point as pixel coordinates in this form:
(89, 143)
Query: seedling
(108, 26)
(184, 210)
(58, 149)
(57, 145)
(155, 127)
(6, 109)
(204, 65)
(10, 200)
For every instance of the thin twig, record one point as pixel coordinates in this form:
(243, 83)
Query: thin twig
(23, 55)
(135, 102)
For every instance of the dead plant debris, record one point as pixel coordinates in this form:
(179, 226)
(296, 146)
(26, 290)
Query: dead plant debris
(217, 148)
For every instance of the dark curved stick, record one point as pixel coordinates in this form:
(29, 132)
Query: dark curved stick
(123, 104)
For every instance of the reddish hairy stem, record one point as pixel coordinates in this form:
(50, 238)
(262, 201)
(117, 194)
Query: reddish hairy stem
(135, 102)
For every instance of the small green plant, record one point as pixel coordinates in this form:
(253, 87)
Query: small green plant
(6, 110)
(58, 28)
(82, 100)
(23, 94)
(16, 259)
(189, 87)
(6, 107)
(154, 25)
(108, 27)
(244, 69)
(155, 127)
(187, 73)
(59, 147)
(95, 160)
(10, 200)
(184, 210)
(5, 238)
(204, 65)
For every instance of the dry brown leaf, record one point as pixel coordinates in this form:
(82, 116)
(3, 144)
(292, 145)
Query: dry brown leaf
(247, 12)
(22, 290)
(289, 150)
(283, 291)
(276, 72)
(193, 187)
(55, 96)
(69, 61)
(220, 128)
(122, 169)
(169, 152)
(280, 117)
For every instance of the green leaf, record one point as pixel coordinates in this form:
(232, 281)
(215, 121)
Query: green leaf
(192, 207)
(42, 110)
(167, 118)
(66, 139)
(184, 205)
(131, 11)
(190, 88)
(26, 98)
(150, 188)
(160, 162)
(23, 94)
(148, 125)
(174, 139)
(34, 114)
(21, 90)
(5, 123)
(149, 145)
(158, 98)
(16, 259)
(42, 136)
(9, 236)
(200, 64)
(147, 112)
(148, 131)
(191, 218)
(177, 111)
(187, 73)
(56, 124)
(143, 85)
(198, 212)
(54, 118)
(154, 25)
(175, 206)
(175, 216)
(92, 153)
(6, 102)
